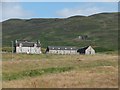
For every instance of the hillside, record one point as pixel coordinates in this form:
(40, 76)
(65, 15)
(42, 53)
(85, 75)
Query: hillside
(101, 30)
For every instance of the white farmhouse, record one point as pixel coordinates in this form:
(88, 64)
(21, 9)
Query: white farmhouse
(24, 46)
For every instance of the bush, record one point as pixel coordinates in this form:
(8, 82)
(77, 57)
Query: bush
(43, 50)
(7, 49)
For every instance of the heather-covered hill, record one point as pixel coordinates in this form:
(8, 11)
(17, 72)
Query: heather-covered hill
(101, 31)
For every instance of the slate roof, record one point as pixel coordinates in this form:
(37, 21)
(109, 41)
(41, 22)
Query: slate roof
(61, 48)
(21, 41)
(82, 50)
(26, 43)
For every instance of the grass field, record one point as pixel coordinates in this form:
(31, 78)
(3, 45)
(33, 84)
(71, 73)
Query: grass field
(53, 71)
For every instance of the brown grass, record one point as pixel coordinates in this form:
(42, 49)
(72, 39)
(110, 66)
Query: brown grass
(87, 73)
(77, 79)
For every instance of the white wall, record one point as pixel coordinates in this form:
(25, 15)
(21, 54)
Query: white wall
(63, 51)
(89, 50)
(28, 50)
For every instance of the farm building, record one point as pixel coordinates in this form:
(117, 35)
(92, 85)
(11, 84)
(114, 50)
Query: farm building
(61, 50)
(24, 46)
(86, 50)
(83, 37)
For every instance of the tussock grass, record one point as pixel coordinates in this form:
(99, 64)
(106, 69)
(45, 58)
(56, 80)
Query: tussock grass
(37, 72)
(72, 79)
(100, 70)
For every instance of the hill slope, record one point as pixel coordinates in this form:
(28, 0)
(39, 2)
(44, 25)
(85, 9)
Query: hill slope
(101, 29)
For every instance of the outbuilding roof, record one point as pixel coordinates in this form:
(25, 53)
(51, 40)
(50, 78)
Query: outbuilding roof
(82, 49)
(61, 48)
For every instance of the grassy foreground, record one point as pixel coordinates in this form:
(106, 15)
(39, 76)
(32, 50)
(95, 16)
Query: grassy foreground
(43, 71)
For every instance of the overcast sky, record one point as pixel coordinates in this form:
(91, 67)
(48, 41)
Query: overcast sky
(26, 10)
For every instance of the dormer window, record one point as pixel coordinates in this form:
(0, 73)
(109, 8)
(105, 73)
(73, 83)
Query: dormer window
(35, 45)
(71, 48)
(58, 48)
(52, 48)
(20, 45)
(65, 48)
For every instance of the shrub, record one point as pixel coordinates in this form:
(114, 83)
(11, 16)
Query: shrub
(7, 49)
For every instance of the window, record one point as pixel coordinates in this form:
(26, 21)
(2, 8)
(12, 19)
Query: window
(35, 45)
(36, 50)
(21, 49)
(20, 45)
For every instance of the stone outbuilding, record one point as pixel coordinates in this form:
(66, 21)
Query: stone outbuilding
(86, 50)
(61, 50)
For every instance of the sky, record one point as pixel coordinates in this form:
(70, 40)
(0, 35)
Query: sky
(27, 10)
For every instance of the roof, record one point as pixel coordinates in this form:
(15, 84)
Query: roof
(21, 41)
(84, 47)
(62, 48)
(26, 43)
(82, 50)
